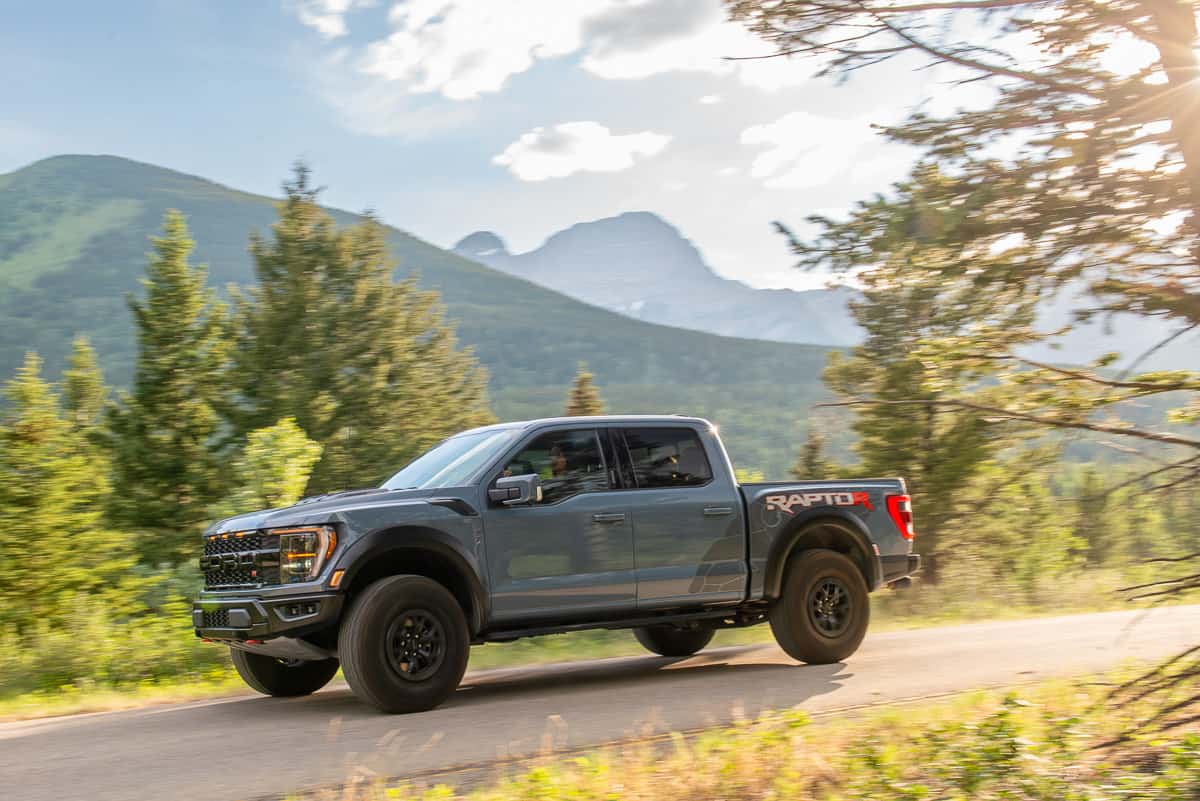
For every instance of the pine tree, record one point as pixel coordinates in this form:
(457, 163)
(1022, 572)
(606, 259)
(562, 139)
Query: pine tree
(584, 399)
(167, 470)
(366, 366)
(84, 392)
(812, 465)
(1100, 191)
(271, 471)
(57, 546)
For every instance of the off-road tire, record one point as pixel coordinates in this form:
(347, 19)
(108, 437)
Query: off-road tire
(796, 621)
(370, 642)
(672, 640)
(270, 676)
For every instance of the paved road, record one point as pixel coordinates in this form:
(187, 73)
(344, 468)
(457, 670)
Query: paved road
(256, 747)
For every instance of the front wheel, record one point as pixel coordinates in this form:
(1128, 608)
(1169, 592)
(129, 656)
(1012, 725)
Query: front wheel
(272, 676)
(404, 646)
(673, 641)
(822, 615)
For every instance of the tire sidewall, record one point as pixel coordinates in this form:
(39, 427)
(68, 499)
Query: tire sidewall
(363, 644)
(673, 641)
(791, 621)
(271, 677)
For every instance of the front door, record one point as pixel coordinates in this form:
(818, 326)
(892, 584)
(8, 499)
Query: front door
(690, 542)
(571, 555)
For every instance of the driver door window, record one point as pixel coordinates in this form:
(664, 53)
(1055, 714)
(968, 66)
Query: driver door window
(568, 463)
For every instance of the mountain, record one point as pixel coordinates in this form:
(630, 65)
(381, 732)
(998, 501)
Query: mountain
(74, 233)
(639, 265)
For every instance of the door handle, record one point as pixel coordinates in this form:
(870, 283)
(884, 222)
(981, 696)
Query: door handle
(614, 517)
(717, 511)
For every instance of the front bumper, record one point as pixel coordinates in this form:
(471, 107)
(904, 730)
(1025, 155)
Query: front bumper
(261, 617)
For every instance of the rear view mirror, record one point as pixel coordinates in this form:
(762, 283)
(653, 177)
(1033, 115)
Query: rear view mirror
(516, 490)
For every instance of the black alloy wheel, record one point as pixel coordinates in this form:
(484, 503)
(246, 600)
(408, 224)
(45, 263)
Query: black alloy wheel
(416, 645)
(830, 607)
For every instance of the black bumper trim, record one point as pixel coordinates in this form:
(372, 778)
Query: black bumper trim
(899, 566)
(261, 618)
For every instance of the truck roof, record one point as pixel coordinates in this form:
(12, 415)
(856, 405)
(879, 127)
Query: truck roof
(666, 419)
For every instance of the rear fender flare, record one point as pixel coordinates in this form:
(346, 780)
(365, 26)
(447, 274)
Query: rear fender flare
(793, 537)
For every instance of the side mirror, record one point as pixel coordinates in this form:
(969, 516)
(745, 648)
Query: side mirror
(517, 490)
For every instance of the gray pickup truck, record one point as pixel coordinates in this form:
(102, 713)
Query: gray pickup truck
(542, 527)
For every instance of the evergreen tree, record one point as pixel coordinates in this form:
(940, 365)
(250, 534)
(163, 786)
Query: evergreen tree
(366, 366)
(167, 470)
(271, 471)
(1100, 190)
(57, 546)
(584, 399)
(812, 465)
(84, 392)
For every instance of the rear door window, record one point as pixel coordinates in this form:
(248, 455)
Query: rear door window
(667, 457)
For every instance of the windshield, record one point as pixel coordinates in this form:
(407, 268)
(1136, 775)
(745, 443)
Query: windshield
(452, 462)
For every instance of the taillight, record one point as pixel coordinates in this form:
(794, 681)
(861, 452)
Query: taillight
(900, 509)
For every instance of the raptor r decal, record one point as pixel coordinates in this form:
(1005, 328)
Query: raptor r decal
(807, 500)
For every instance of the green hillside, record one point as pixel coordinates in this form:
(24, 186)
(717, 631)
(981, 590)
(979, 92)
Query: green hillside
(73, 238)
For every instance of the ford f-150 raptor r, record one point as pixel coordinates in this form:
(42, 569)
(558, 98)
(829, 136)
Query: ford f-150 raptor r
(540, 527)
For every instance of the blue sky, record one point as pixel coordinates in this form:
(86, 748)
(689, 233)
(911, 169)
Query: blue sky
(517, 116)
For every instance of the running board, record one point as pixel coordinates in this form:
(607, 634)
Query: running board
(731, 617)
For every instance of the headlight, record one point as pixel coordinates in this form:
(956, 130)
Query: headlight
(304, 551)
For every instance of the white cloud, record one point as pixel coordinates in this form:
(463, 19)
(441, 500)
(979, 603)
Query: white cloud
(572, 147)
(327, 17)
(803, 150)
(709, 100)
(463, 50)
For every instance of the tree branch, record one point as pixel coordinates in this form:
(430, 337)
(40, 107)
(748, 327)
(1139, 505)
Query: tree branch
(1155, 348)
(962, 61)
(1137, 433)
(1149, 386)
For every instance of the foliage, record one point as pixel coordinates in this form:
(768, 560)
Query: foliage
(167, 471)
(1036, 745)
(1084, 170)
(53, 491)
(271, 471)
(812, 463)
(584, 399)
(531, 340)
(366, 366)
(84, 392)
(896, 386)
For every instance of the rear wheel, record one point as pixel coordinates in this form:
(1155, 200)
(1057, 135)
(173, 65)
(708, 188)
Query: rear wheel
(404, 646)
(672, 640)
(822, 615)
(272, 676)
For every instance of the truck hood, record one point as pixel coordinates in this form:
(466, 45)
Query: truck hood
(317, 509)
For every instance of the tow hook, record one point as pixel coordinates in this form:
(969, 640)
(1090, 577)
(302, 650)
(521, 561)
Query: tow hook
(900, 584)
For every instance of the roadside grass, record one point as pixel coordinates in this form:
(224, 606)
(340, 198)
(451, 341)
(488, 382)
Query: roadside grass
(1044, 742)
(99, 666)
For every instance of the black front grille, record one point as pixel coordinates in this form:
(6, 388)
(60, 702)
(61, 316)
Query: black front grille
(233, 543)
(216, 620)
(240, 561)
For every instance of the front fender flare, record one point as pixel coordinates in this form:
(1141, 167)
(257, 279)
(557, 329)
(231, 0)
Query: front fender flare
(392, 541)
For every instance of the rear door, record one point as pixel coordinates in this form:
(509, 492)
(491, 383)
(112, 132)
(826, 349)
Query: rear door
(689, 538)
(571, 555)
